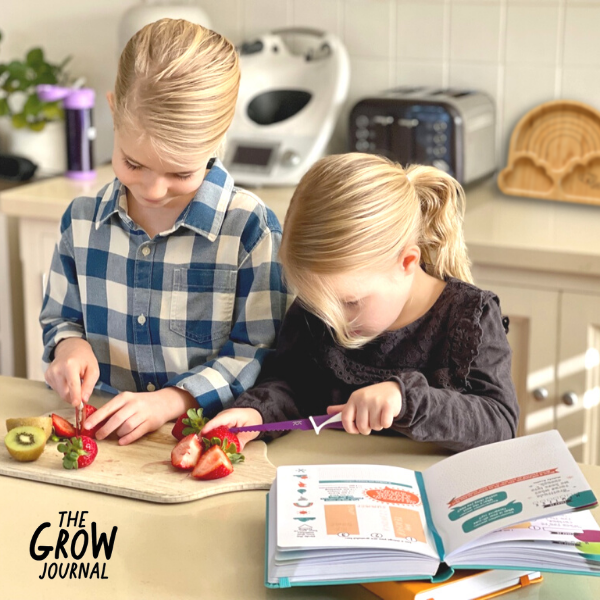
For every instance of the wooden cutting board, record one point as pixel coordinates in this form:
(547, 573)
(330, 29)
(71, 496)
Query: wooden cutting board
(141, 470)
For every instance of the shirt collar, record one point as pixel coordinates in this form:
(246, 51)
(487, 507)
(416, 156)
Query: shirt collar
(204, 214)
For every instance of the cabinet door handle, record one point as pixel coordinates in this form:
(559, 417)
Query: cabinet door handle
(540, 394)
(570, 398)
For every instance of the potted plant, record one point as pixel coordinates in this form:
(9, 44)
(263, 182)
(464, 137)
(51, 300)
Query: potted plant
(36, 127)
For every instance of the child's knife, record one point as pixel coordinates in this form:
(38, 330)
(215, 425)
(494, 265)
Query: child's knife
(315, 423)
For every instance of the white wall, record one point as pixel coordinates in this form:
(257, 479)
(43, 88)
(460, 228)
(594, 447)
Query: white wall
(522, 52)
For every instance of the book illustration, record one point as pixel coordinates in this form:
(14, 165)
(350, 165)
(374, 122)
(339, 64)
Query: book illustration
(461, 511)
(505, 483)
(407, 524)
(303, 504)
(502, 512)
(582, 499)
(389, 495)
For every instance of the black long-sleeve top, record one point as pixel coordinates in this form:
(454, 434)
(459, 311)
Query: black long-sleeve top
(452, 364)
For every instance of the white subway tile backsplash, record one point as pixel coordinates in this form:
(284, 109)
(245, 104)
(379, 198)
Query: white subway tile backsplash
(531, 33)
(261, 16)
(483, 77)
(320, 14)
(582, 84)
(475, 31)
(525, 86)
(368, 28)
(414, 72)
(582, 39)
(420, 30)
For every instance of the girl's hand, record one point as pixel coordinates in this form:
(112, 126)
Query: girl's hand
(236, 417)
(74, 371)
(133, 414)
(371, 408)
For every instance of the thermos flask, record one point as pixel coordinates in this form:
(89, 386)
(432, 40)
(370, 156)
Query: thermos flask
(80, 132)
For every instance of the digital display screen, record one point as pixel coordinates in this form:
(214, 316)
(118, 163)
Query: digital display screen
(252, 155)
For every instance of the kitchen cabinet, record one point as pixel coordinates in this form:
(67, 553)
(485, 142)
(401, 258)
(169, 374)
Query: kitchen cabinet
(555, 338)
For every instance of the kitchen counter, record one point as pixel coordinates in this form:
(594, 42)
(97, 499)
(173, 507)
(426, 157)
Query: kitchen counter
(499, 229)
(212, 547)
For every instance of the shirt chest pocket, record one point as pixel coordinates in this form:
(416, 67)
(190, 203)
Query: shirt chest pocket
(202, 303)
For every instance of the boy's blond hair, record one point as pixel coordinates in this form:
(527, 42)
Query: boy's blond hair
(178, 83)
(354, 212)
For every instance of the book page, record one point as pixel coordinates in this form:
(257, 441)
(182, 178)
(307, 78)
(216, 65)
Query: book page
(578, 529)
(351, 506)
(490, 487)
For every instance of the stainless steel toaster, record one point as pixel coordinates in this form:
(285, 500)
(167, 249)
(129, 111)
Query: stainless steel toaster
(451, 129)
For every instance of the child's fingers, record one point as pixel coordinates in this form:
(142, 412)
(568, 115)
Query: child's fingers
(73, 380)
(90, 377)
(387, 416)
(348, 417)
(362, 419)
(224, 419)
(335, 409)
(104, 412)
(136, 434)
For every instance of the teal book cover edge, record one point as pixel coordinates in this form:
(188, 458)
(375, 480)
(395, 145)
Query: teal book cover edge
(284, 582)
(439, 545)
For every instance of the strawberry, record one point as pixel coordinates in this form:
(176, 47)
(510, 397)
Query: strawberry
(79, 452)
(62, 427)
(187, 452)
(190, 422)
(229, 442)
(213, 464)
(90, 410)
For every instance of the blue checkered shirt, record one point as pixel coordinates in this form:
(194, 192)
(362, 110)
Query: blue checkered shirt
(197, 306)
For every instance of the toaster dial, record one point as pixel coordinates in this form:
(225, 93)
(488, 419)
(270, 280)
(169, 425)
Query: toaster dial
(408, 134)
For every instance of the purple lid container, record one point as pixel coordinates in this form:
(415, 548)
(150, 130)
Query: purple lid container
(80, 98)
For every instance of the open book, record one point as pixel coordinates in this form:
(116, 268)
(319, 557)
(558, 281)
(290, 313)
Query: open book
(509, 505)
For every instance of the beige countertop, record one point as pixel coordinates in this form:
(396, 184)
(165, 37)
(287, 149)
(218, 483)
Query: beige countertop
(500, 230)
(209, 548)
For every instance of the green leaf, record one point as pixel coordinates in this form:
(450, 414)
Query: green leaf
(36, 125)
(19, 121)
(35, 57)
(62, 447)
(17, 70)
(4, 110)
(32, 105)
(52, 112)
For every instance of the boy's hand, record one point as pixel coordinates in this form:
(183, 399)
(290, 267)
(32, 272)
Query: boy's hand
(236, 417)
(133, 414)
(371, 408)
(74, 371)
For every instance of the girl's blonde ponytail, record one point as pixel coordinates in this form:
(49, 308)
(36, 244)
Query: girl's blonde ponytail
(442, 203)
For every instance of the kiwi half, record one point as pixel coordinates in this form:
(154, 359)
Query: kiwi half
(44, 423)
(25, 443)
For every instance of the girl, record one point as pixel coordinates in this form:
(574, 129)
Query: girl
(387, 327)
(165, 286)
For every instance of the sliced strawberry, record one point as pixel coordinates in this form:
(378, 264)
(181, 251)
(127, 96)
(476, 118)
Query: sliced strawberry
(213, 464)
(229, 442)
(62, 427)
(90, 410)
(78, 452)
(187, 452)
(190, 422)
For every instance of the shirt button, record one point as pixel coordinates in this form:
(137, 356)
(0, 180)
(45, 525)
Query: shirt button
(141, 319)
(145, 250)
(150, 387)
